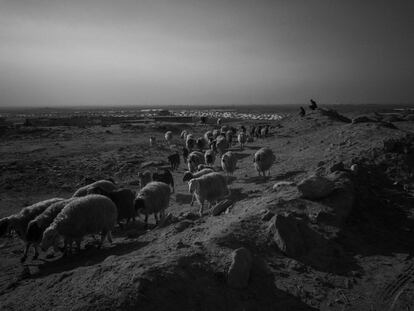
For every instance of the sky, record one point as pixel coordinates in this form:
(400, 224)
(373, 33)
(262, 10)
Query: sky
(57, 53)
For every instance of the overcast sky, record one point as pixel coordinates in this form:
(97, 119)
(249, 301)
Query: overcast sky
(189, 52)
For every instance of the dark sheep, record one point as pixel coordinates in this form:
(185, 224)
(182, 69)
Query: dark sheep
(166, 177)
(174, 160)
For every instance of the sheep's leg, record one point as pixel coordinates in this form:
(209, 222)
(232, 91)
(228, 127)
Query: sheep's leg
(36, 248)
(103, 236)
(192, 200)
(156, 218)
(200, 212)
(109, 236)
(26, 250)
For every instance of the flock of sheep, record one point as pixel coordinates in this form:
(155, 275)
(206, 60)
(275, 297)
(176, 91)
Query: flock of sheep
(96, 208)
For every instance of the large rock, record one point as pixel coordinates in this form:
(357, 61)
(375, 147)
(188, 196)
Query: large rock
(362, 119)
(286, 232)
(239, 271)
(316, 187)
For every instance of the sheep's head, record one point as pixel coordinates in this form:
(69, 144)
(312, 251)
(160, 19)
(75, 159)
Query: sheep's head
(139, 205)
(50, 238)
(193, 186)
(187, 176)
(34, 232)
(4, 226)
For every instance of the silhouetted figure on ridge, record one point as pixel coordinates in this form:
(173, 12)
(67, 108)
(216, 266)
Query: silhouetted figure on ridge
(302, 112)
(313, 105)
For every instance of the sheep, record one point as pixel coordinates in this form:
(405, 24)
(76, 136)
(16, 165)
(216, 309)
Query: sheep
(210, 157)
(144, 178)
(37, 226)
(209, 187)
(263, 132)
(203, 166)
(185, 154)
(194, 159)
(168, 137)
(190, 142)
(263, 160)
(174, 160)
(105, 184)
(201, 143)
(188, 175)
(242, 138)
(18, 222)
(221, 145)
(152, 141)
(229, 137)
(154, 198)
(228, 162)
(165, 177)
(124, 201)
(216, 133)
(218, 122)
(82, 216)
(183, 135)
(208, 135)
(224, 129)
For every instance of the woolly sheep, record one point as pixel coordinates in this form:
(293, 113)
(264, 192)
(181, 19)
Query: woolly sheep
(82, 216)
(229, 137)
(201, 143)
(216, 133)
(37, 226)
(124, 201)
(188, 175)
(210, 157)
(210, 187)
(218, 121)
(18, 222)
(190, 142)
(168, 137)
(185, 154)
(242, 138)
(224, 129)
(208, 135)
(203, 166)
(228, 162)
(194, 159)
(105, 184)
(221, 145)
(183, 135)
(263, 132)
(154, 198)
(144, 178)
(263, 160)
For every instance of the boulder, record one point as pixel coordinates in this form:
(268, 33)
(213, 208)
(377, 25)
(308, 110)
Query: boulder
(315, 187)
(362, 119)
(285, 231)
(239, 271)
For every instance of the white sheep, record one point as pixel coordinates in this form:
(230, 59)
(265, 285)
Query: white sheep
(154, 198)
(263, 160)
(221, 145)
(228, 162)
(194, 159)
(216, 133)
(37, 226)
(144, 178)
(183, 135)
(168, 137)
(203, 166)
(242, 138)
(188, 175)
(210, 187)
(208, 135)
(104, 184)
(18, 222)
(82, 216)
(210, 157)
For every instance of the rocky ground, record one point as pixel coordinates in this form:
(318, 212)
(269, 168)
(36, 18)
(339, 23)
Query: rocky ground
(349, 249)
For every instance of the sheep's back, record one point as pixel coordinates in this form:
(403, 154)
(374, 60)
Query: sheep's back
(264, 159)
(105, 185)
(156, 196)
(212, 186)
(86, 215)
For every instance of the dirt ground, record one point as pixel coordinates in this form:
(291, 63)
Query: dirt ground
(368, 263)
